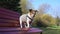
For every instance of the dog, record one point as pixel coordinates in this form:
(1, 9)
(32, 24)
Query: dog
(26, 19)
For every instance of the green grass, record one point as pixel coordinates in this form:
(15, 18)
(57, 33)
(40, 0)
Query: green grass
(50, 31)
(54, 27)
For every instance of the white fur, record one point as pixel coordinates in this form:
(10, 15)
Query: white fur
(23, 18)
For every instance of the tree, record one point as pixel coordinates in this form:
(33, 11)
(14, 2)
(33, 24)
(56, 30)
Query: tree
(58, 21)
(48, 20)
(42, 8)
(25, 5)
(11, 4)
(44, 20)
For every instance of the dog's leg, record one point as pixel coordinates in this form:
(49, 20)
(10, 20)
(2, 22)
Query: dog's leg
(27, 23)
(20, 23)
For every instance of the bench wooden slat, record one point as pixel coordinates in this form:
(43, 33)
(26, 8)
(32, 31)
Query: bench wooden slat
(8, 17)
(8, 25)
(8, 14)
(8, 11)
(19, 31)
(9, 21)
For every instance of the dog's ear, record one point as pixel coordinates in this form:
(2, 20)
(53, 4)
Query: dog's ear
(36, 11)
(30, 10)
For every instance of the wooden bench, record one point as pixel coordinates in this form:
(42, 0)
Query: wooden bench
(19, 31)
(9, 18)
(9, 23)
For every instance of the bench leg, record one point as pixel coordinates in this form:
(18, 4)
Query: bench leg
(40, 32)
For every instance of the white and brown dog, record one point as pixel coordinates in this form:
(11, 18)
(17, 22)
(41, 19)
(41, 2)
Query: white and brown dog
(26, 19)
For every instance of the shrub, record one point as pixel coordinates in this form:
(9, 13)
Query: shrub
(44, 20)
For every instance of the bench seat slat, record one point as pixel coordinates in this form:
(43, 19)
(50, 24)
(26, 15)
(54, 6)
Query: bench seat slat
(9, 21)
(8, 25)
(8, 14)
(8, 11)
(8, 17)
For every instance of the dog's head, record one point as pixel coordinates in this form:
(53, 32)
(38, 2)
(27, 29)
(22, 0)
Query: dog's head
(32, 11)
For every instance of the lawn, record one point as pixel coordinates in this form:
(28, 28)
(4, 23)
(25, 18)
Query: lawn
(50, 31)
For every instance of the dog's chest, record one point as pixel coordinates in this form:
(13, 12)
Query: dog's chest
(24, 17)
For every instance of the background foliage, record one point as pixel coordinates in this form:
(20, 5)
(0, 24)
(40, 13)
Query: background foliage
(44, 20)
(11, 4)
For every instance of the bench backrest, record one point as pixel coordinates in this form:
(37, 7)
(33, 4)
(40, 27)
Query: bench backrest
(9, 18)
